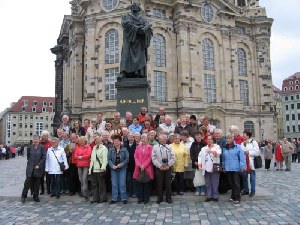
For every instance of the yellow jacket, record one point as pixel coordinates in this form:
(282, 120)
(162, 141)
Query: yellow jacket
(181, 157)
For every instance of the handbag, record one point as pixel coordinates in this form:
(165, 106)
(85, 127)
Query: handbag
(257, 162)
(61, 164)
(143, 177)
(217, 167)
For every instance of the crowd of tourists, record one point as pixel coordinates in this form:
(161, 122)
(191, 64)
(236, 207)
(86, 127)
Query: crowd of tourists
(141, 156)
(10, 151)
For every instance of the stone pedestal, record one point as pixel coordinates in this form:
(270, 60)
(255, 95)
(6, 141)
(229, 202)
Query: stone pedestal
(132, 94)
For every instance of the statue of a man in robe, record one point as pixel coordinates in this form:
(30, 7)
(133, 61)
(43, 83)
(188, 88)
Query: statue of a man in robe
(137, 33)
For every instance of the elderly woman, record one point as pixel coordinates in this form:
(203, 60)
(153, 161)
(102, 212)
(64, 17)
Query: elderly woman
(233, 162)
(83, 155)
(55, 156)
(65, 125)
(97, 170)
(91, 131)
(78, 129)
(137, 137)
(208, 157)
(251, 150)
(143, 164)
(181, 163)
(118, 159)
(36, 156)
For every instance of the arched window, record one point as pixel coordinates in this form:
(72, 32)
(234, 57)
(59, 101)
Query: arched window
(296, 81)
(242, 62)
(285, 89)
(159, 50)
(109, 4)
(208, 54)
(296, 87)
(291, 88)
(111, 47)
(207, 13)
(249, 125)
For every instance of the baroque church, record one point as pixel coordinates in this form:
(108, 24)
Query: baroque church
(207, 57)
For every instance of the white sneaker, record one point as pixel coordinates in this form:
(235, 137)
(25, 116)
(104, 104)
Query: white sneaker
(202, 194)
(197, 193)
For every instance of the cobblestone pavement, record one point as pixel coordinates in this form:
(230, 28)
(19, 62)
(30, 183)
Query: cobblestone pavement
(276, 202)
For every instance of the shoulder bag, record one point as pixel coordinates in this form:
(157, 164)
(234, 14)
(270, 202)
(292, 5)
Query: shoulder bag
(61, 164)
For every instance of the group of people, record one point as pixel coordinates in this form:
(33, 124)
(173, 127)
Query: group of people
(7, 152)
(139, 156)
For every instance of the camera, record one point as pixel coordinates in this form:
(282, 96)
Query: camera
(165, 160)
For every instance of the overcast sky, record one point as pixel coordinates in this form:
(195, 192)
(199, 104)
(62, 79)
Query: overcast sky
(29, 28)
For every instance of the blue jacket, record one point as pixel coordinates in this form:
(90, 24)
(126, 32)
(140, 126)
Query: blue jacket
(124, 157)
(233, 159)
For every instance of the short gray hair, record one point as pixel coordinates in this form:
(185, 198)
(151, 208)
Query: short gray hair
(218, 131)
(229, 135)
(233, 127)
(45, 132)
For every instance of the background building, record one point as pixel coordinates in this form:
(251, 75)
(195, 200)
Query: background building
(29, 115)
(207, 57)
(278, 113)
(291, 106)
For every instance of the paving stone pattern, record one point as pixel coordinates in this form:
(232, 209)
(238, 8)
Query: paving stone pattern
(277, 202)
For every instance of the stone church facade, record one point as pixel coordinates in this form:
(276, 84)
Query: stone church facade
(207, 57)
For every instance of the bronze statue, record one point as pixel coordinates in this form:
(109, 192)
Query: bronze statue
(137, 33)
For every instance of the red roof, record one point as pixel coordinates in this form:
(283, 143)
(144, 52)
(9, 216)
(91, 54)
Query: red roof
(26, 103)
(292, 77)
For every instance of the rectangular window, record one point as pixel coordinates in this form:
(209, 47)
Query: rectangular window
(25, 103)
(294, 128)
(20, 134)
(298, 116)
(20, 125)
(50, 104)
(288, 129)
(210, 91)
(292, 98)
(287, 117)
(44, 109)
(297, 96)
(33, 109)
(240, 30)
(298, 128)
(26, 117)
(293, 116)
(244, 92)
(31, 125)
(44, 103)
(160, 86)
(298, 105)
(292, 106)
(38, 128)
(31, 117)
(110, 80)
(20, 117)
(25, 125)
(35, 103)
(159, 13)
(286, 98)
(286, 107)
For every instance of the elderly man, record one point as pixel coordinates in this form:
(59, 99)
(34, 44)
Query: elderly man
(115, 124)
(207, 124)
(65, 124)
(168, 126)
(237, 137)
(287, 151)
(128, 117)
(100, 122)
(163, 159)
(161, 112)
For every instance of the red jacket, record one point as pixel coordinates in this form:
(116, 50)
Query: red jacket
(141, 118)
(239, 139)
(47, 144)
(85, 152)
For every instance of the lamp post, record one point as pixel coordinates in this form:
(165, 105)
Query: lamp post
(262, 134)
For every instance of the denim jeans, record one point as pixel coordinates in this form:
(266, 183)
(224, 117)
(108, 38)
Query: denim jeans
(201, 189)
(83, 173)
(118, 181)
(55, 184)
(252, 181)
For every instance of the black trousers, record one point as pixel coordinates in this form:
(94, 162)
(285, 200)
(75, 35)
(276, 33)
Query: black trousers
(179, 182)
(143, 191)
(267, 163)
(234, 181)
(48, 183)
(31, 182)
(74, 183)
(163, 182)
(99, 187)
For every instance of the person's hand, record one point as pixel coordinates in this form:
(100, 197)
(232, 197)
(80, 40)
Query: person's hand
(166, 168)
(37, 167)
(199, 166)
(115, 167)
(142, 167)
(196, 163)
(119, 166)
(80, 157)
(162, 168)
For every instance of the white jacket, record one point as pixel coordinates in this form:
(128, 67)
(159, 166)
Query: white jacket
(52, 166)
(253, 149)
(203, 156)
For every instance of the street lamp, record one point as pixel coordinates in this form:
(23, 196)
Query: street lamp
(262, 134)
